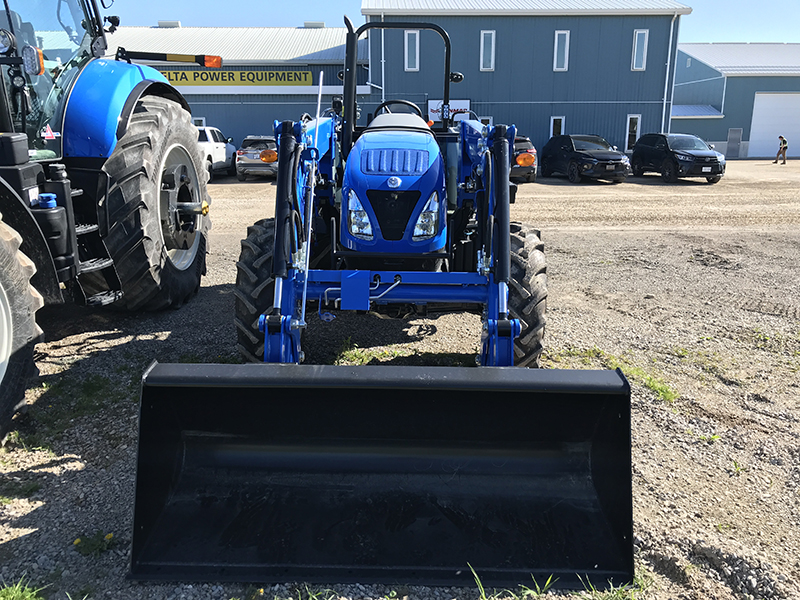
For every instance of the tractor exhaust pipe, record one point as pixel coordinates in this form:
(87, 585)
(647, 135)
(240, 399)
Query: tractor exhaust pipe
(327, 474)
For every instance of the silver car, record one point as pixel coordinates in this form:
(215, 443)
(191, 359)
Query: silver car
(249, 159)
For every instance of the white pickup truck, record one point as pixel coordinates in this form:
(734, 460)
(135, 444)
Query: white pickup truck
(217, 150)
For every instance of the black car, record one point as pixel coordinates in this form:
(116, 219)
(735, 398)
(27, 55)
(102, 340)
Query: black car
(523, 165)
(580, 156)
(677, 155)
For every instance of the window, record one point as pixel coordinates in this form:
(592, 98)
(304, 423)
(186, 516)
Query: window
(199, 121)
(412, 50)
(487, 50)
(561, 51)
(632, 131)
(556, 126)
(639, 60)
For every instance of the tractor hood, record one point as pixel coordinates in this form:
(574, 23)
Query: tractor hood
(393, 172)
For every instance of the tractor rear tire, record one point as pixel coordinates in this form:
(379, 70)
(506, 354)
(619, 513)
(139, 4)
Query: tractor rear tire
(527, 297)
(159, 253)
(19, 302)
(255, 288)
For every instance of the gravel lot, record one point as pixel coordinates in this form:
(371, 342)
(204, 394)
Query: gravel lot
(692, 288)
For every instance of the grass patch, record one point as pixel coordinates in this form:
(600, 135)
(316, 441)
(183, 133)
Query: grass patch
(19, 591)
(594, 356)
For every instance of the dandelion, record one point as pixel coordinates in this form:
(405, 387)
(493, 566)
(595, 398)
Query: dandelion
(109, 536)
(76, 542)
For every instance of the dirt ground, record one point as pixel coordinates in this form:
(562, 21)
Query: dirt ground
(692, 289)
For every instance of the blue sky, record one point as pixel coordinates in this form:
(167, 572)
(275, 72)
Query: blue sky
(710, 21)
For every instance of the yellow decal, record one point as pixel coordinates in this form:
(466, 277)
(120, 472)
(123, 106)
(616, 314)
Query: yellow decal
(230, 77)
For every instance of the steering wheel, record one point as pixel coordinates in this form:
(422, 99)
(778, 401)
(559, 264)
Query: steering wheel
(385, 106)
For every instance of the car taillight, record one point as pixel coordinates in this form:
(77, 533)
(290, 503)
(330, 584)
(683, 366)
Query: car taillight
(240, 152)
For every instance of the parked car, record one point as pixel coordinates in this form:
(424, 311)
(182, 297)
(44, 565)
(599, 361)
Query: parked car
(249, 160)
(523, 166)
(217, 150)
(677, 155)
(580, 156)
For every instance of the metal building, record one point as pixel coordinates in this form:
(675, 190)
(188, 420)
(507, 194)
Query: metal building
(267, 73)
(740, 97)
(548, 66)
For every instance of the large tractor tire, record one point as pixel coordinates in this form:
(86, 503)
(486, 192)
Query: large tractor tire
(19, 302)
(255, 287)
(160, 253)
(527, 297)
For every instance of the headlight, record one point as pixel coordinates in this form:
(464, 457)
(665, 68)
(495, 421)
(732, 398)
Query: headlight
(626, 160)
(428, 222)
(357, 218)
(685, 157)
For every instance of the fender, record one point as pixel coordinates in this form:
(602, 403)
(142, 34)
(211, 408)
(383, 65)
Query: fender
(18, 216)
(101, 102)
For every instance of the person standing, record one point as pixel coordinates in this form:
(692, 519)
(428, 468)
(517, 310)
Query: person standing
(782, 148)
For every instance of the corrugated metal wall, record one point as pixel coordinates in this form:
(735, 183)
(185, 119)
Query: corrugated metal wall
(596, 93)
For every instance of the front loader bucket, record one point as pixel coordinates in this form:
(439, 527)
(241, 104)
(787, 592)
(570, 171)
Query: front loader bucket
(323, 474)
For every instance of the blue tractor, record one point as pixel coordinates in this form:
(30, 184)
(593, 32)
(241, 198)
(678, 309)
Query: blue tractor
(102, 192)
(282, 471)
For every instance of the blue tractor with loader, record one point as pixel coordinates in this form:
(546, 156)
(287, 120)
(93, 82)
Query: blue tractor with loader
(276, 471)
(103, 195)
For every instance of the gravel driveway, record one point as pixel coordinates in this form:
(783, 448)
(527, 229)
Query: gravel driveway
(693, 289)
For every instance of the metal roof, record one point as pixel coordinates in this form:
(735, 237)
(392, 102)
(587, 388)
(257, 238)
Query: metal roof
(695, 111)
(241, 45)
(522, 7)
(739, 59)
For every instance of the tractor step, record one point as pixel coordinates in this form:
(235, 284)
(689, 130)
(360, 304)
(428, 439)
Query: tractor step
(95, 264)
(84, 229)
(276, 472)
(104, 298)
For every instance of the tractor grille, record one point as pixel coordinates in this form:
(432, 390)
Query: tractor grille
(394, 162)
(393, 210)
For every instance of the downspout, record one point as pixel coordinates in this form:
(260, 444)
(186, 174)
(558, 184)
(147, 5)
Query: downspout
(383, 63)
(669, 61)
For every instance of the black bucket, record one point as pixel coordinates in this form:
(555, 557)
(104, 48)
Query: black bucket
(323, 474)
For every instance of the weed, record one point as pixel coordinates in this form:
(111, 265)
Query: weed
(17, 489)
(737, 468)
(19, 591)
(94, 544)
(623, 592)
(709, 439)
(538, 590)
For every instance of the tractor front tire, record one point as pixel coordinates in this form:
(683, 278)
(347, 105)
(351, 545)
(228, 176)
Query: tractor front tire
(19, 302)
(255, 288)
(159, 252)
(527, 293)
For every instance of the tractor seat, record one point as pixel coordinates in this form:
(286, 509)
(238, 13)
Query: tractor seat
(398, 121)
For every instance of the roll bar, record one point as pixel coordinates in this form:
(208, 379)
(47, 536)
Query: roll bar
(350, 66)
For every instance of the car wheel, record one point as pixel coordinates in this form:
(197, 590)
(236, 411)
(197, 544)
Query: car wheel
(573, 173)
(210, 170)
(638, 169)
(232, 167)
(241, 176)
(714, 179)
(546, 171)
(669, 171)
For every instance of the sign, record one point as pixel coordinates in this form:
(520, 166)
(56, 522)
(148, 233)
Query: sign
(227, 77)
(459, 110)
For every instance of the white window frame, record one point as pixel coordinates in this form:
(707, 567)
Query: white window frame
(492, 37)
(407, 34)
(636, 33)
(628, 129)
(564, 32)
(552, 121)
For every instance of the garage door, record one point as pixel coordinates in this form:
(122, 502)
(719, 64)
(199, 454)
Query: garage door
(774, 115)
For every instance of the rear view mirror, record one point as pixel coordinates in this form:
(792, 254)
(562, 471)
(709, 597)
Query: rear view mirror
(456, 77)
